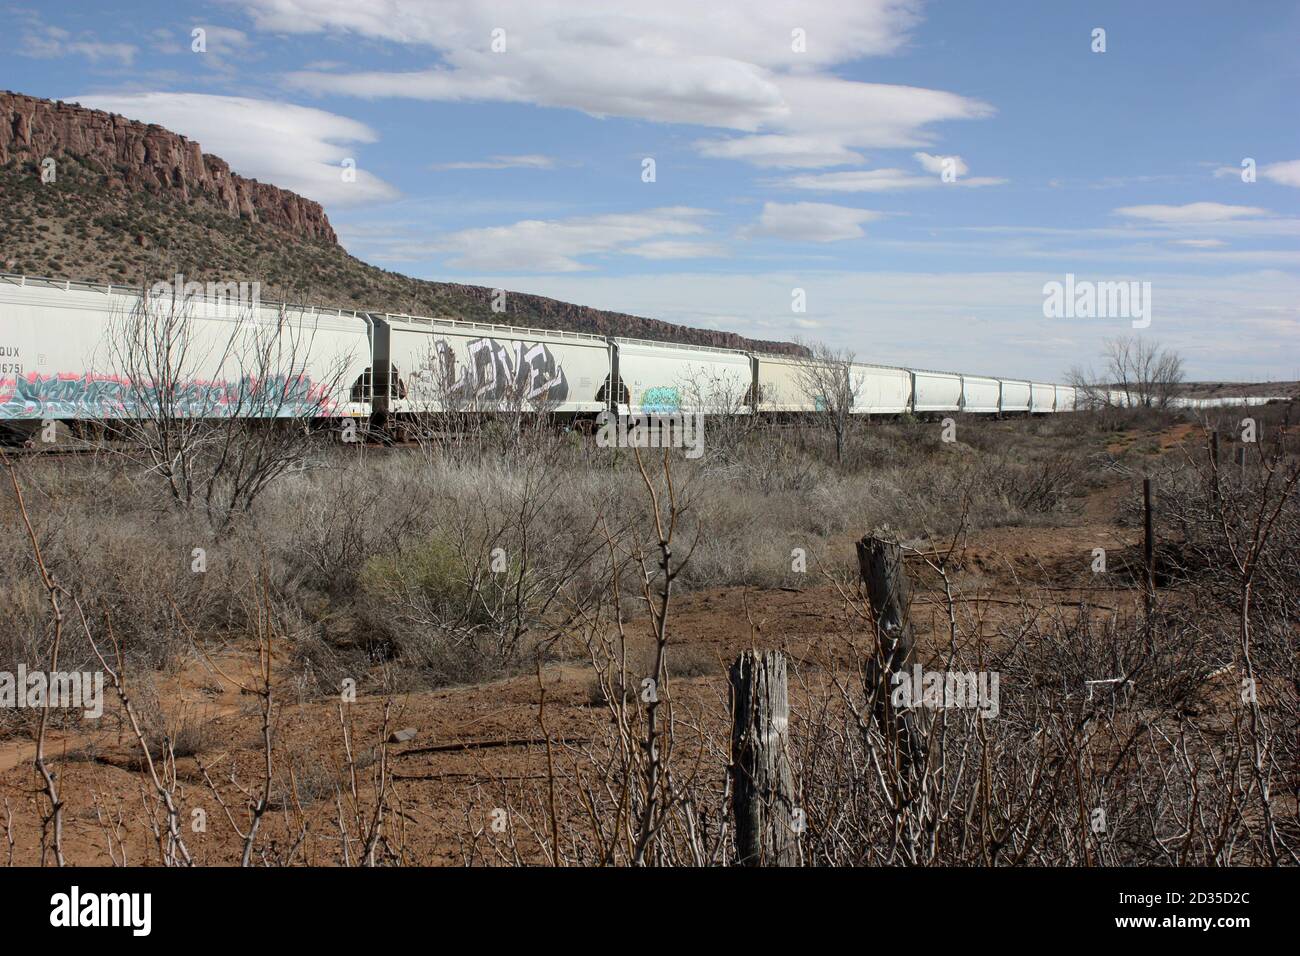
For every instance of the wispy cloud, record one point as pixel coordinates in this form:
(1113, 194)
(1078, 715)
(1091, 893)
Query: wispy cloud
(954, 166)
(940, 171)
(1192, 212)
(811, 222)
(1200, 243)
(561, 245)
(49, 42)
(530, 161)
(1285, 173)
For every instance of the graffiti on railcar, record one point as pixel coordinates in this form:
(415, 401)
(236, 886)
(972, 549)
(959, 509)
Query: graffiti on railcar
(496, 371)
(36, 395)
(661, 400)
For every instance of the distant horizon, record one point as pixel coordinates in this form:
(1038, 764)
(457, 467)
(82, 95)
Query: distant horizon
(884, 166)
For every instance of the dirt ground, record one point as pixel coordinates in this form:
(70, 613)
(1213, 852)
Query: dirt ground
(478, 748)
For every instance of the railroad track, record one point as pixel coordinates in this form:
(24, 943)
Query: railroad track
(50, 451)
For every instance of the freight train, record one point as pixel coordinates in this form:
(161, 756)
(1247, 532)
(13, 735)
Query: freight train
(64, 357)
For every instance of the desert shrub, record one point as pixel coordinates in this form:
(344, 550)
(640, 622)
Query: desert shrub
(326, 522)
(434, 573)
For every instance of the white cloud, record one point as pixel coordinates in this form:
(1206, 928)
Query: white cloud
(888, 180)
(1288, 173)
(1200, 243)
(558, 245)
(1285, 173)
(48, 43)
(530, 161)
(774, 150)
(1193, 212)
(733, 66)
(938, 165)
(678, 249)
(811, 221)
(758, 31)
(294, 147)
(221, 39)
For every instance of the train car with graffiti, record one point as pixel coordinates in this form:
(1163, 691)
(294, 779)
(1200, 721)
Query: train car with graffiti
(83, 351)
(666, 378)
(438, 365)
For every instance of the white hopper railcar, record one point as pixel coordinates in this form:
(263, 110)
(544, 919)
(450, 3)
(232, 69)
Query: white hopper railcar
(880, 389)
(1015, 396)
(936, 391)
(67, 354)
(446, 365)
(980, 395)
(663, 378)
(784, 385)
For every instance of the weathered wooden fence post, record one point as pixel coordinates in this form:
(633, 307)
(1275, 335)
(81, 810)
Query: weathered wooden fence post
(1214, 469)
(762, 786)
(880, 562)
(1148, 544)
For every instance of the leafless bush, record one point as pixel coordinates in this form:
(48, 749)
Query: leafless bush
(1096, 755)
(827, 380)
(216, 410)
(723, 397)
(1139, 371)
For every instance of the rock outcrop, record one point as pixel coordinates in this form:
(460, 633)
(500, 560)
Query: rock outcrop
(134, 156)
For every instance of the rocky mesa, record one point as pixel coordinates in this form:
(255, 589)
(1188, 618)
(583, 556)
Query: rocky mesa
(135, 156)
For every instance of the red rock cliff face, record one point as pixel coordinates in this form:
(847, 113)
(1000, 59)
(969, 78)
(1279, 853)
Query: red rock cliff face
(138, 156)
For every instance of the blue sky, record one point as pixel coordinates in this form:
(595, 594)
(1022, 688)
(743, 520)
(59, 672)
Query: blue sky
(795, 146)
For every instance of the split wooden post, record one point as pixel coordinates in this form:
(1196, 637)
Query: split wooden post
(762, 785)
(1148, 542)
(1214, 468)
(880, 562)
